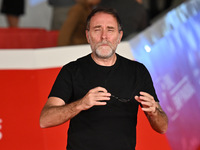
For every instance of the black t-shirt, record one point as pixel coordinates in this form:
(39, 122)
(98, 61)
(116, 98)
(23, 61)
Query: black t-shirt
(109, 127)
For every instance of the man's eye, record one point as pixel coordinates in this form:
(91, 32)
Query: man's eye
(97, 29)
(110, 30)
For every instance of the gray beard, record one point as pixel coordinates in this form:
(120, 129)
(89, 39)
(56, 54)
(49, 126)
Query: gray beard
(98, 54)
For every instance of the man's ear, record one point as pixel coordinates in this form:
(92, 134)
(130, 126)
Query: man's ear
(120, 36)
(87, 35)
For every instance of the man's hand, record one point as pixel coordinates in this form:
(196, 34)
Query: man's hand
(96, 96)
(156, 116)
(149, 105)
(56, 112)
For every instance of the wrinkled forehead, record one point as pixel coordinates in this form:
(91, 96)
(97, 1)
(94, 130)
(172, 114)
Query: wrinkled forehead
(103, 19)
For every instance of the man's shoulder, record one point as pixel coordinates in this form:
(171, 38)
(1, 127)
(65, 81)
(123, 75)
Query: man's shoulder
(129, 61)
(80, 60)
(84, 58)
(132, 65)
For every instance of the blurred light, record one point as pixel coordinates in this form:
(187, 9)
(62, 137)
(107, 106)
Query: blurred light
(147, 48)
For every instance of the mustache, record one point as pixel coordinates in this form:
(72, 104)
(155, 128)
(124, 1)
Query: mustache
(104, 42)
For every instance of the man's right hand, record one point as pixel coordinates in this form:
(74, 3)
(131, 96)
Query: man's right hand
(56, 112)
(95, 97)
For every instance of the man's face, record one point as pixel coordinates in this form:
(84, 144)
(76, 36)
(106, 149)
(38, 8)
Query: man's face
(103, 35)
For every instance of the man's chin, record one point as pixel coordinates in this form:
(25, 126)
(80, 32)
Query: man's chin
(104, 55)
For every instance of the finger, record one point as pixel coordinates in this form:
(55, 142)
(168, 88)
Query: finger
(137, 98)
(100, 103)
(100, 89)
(148, 109)
(147, 104)
(102, 94)
(144, 98)
(102, 98)
(146, 94)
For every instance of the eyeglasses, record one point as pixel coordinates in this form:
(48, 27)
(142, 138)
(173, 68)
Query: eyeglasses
(121, 99)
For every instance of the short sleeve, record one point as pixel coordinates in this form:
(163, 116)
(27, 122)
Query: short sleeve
(62, 87)
(148, 83)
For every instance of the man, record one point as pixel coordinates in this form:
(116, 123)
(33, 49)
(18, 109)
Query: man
(100, 93)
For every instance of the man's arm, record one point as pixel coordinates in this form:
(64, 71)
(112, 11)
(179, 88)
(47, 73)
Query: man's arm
(158, 119)
(156, 116)
(56, 112)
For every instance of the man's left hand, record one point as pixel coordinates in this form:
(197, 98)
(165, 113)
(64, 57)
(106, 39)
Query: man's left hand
(149, 105)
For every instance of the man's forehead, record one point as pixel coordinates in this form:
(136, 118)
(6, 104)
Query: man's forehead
(103, 18)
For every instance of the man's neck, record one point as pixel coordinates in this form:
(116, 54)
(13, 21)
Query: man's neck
(105, 61)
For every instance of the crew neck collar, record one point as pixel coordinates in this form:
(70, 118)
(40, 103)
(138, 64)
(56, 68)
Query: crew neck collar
(101, 66)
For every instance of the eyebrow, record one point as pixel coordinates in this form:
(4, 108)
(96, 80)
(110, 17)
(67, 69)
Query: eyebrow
(109, 27)
(99, 26)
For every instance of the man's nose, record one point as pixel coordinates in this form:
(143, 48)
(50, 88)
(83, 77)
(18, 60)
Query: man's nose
(104, 34)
